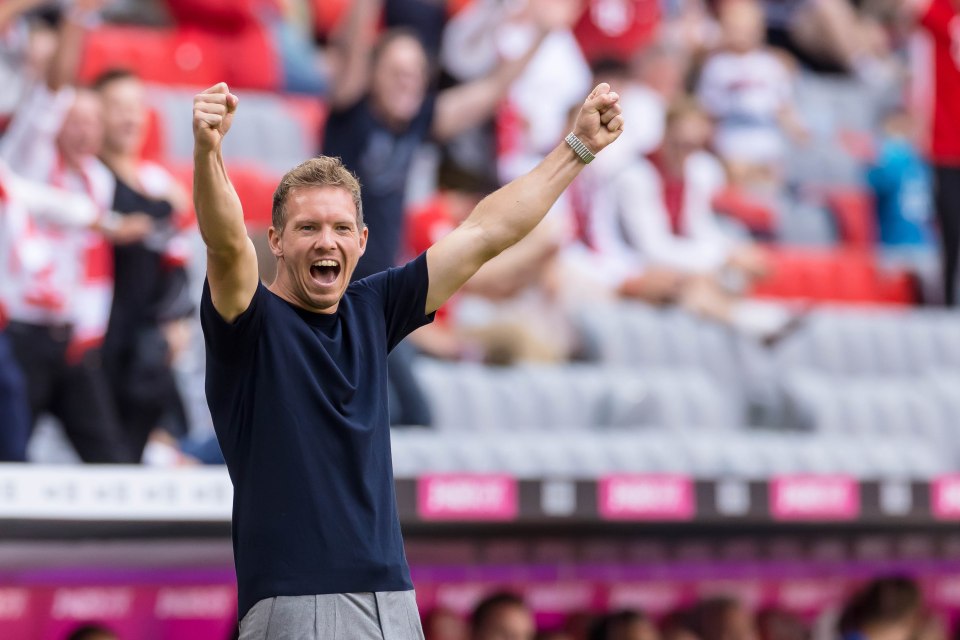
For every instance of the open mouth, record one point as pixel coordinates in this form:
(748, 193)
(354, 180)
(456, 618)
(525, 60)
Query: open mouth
(325, 271)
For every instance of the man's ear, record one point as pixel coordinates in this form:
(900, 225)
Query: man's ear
(274, 239)
(363, 238)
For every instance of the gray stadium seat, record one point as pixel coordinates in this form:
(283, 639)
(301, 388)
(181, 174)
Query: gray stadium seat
(744, 454)
(898, 407)
(473, 397)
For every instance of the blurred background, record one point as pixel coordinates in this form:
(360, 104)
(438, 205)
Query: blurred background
(713, 396)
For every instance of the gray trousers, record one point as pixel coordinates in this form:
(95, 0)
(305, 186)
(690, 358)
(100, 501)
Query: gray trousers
(386, 615)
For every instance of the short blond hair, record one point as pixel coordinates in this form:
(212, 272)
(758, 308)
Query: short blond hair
(322, 171)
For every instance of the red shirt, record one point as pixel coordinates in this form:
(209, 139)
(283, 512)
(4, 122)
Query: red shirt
(942, 21)
(425, 225)
(616, 28)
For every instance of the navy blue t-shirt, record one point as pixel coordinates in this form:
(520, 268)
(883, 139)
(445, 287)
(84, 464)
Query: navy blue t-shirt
(381, 158)
(299, 404)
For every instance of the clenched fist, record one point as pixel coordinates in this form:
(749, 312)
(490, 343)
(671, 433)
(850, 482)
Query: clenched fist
(599, 122)
(212, 116)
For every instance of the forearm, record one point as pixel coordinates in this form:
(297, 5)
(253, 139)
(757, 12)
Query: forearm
(353, 44)
(66, 60)
(466, 106)
(51, 204)
(510, 213)
(219, 212)
(518, 267)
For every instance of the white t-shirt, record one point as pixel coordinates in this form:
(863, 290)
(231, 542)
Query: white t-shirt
(55, 282)
(745, 92)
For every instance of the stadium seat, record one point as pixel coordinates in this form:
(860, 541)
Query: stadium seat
(255, 189)
(276, 132)
(164, 56)
(898, 407)
(833, 275)
(476, 398)
(856, 217)
(744, 455)
(873, 342)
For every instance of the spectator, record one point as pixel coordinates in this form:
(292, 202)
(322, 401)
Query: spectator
(651, 234)
(779, 624)
(625, 625)
(92, 632)
(59, 320)
(747, 90)
(722, 618)
(444, 624)
(940, 19)
(23, 204)
(382, 109)
(502, 616)
(500, 315)
(827, 36)
(884, 609)
(151, 300)
(902, 185)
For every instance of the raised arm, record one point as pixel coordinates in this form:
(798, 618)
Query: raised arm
(352, 45)
(80, 17)
(469, 104)
(510, 213)
(231, 259)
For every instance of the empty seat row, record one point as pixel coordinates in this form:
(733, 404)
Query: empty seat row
(840, 340)
(874, 342)
(473, 397)
(923, 407)
(634, 334)
(744, 454)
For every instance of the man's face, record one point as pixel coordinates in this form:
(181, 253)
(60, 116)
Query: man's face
(688, 134)
(82, 131)
(318, 247)
(124, 115)
(399, 81)
(508, 623)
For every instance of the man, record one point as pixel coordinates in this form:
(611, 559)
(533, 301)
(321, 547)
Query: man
(58, 315)
(296, 374)
(502, 616)
(25, 205)
(150, 293)
(383, 109)
(884, 609)
(939, 71)
(625, 625)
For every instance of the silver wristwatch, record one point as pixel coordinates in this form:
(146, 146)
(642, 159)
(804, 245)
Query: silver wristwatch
(579, 148)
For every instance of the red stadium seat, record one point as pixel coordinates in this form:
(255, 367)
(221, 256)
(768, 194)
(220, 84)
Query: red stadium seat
(311, 113)
(255, 188)
(855, 215)
(834, 275)
(756, 216)
(147, 52)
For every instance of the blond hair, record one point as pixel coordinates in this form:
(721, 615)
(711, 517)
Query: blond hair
(322, 171)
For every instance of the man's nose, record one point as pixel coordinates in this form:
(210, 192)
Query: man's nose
(325, 239)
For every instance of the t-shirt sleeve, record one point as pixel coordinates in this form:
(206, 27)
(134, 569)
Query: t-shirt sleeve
(231, 342)
(403, 292)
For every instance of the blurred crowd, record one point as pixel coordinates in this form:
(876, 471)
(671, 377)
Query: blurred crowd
(884, 609)
(433, 104)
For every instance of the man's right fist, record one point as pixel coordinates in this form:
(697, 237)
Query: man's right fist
(212, 115)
